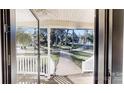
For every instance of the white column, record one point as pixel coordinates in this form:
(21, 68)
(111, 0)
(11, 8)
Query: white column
(48, 40)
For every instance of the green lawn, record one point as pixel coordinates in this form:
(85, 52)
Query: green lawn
(79, 56)
(55, 56)
(65, 47)
(68, 47)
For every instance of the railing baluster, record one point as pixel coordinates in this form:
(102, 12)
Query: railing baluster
(47, 65)
(17, 64)
(20, 64)
(30, 65)
(29, 62)
(41, 65)
(33, 64)
(25, 61)
(23, 64)
(36, 64)
(44, 65)
(28, 59)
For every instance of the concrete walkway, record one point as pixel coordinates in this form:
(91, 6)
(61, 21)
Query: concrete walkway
(84, 78)
(66, 66)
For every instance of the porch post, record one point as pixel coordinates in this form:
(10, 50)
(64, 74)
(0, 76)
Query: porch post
(48, 40)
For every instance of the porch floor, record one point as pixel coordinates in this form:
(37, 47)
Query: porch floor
(32, 79)
(85, 78)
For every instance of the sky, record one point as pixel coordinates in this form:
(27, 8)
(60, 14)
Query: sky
(82, 32)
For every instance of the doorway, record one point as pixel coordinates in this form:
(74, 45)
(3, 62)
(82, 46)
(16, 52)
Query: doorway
(52, 40)
(66, 46)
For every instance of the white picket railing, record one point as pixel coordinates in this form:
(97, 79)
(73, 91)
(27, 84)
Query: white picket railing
(29, 65)
(88, 65)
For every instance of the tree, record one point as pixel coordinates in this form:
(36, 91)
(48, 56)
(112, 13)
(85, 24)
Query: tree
(42, 38)
(90, 37)
(66, 37)
(63, 37)
(57, 37)
(23, 38)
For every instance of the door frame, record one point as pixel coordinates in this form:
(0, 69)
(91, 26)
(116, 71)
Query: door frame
(7, 46)
(103, 46)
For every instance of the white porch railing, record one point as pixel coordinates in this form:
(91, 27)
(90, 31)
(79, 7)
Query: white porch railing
(29, 65)
(88, 65)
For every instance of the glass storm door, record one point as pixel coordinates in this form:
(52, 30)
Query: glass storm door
(26, 47)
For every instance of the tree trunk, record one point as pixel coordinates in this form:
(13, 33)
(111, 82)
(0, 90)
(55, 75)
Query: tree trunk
(56, 39)
(66, 38)
(72, 38)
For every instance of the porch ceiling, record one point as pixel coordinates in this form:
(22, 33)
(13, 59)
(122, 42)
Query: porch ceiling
(65, 18)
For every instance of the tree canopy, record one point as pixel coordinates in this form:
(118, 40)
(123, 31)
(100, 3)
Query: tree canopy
(23, 38)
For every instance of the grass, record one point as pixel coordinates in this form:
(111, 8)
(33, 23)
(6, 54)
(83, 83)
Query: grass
(79, 56)
(81, 53)
(69, 47)
(76, 46)
(55, 56)
(65, 47)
